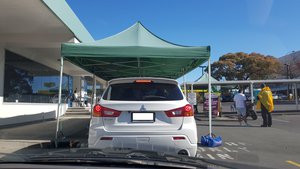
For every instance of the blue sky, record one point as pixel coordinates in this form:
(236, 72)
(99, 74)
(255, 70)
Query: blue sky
(269, 27)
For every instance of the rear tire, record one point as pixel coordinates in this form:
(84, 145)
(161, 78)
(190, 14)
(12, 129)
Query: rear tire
(253, 114)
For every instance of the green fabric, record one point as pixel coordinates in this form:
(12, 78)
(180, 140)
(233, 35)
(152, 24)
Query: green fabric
(135, 52)
(204, 78)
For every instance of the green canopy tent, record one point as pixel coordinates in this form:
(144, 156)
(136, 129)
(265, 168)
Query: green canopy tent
(203, 79)
(134, 52)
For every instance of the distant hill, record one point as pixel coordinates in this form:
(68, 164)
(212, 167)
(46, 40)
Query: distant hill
(292, 59)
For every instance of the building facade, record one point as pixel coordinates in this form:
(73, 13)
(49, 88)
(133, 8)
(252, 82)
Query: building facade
(31, 34)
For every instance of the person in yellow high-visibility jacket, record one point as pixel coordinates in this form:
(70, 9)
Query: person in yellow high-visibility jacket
(265, 103)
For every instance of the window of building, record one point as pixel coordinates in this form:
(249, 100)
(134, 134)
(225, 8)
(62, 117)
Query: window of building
(28, 81)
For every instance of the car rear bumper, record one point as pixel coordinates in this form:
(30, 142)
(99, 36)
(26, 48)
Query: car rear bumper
(157, 143)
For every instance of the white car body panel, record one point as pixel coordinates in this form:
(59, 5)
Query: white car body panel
(156, 135)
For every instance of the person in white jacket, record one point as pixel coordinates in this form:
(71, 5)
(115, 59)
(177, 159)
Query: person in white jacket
(240, 106)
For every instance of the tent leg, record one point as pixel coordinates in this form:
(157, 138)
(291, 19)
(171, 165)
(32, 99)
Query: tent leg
(93, 99)
(95, 91)
(192, 88)
(209, 97)
(80, 90)
(184, 86)
(59, 98)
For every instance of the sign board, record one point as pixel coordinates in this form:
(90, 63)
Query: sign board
(192, 98)
(214, 103)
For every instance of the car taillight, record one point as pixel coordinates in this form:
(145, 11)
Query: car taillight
(100, 111)
(187, 110)
(106, 138)
(178, 138)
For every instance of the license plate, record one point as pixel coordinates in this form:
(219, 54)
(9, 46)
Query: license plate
(142, 117)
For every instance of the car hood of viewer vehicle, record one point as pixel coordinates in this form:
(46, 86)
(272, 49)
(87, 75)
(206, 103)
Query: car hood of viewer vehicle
(115, 157)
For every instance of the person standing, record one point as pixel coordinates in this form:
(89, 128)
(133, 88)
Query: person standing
(75, 97)
(265, 103)
(71, 99)
(240, 106)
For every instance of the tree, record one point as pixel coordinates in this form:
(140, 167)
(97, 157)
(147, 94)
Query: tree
(17, 81)
(243, 66)
(292, 63)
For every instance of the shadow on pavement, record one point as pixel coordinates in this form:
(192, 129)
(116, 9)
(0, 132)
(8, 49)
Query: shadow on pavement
(229, 125)
(71, 128)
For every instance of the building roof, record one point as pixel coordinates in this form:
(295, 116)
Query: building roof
(63, 11)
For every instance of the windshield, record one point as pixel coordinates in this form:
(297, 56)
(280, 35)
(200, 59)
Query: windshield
(141, 91)
(131, 83)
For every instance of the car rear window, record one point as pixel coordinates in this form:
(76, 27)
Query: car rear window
(143, 92)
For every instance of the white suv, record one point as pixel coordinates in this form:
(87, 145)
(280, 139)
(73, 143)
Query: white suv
(144, 114)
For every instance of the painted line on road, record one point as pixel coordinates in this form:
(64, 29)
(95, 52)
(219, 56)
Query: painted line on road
(225, 156)
(215, 149)
(201, 149)
(293, 163)
(280, 120)
(231, 143)
(241, 143)
(226, 149)
(243, 148)
(199, 156)
(210, 156)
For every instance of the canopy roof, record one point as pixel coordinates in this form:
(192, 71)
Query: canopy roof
(135, 52)
(204, 78)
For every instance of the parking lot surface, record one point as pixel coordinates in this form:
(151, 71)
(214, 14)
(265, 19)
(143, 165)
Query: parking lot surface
(275, 147)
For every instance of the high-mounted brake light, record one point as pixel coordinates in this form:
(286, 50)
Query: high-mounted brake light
(143, 81)
(185, 111)
(100, 111)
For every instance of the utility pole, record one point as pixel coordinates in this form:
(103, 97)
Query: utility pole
(288, 77)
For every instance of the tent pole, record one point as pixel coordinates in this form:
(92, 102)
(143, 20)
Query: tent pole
(93, 95)
(184, 86)
(209, 97)
(95, 91)
(59, 98)
(192, 88)
(80, 90)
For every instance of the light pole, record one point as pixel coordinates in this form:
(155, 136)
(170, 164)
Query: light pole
(202, 67)
(287, 76)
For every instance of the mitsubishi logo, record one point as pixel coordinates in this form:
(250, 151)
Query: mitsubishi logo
(142, 108)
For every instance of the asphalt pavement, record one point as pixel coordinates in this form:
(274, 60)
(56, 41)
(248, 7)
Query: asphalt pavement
(275, 147)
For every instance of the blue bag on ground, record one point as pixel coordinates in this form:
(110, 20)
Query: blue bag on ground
(204, 140)
(211, 141)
